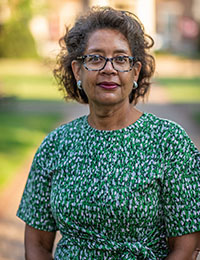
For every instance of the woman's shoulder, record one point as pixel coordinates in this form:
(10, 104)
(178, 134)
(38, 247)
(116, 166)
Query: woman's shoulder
(163, 125)
(170, 134)
(57, 138)
(63, 130)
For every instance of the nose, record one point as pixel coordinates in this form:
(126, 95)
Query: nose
(108, 67)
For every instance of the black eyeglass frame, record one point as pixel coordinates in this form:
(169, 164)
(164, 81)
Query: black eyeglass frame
(132, 59)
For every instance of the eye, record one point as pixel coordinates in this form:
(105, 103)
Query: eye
(121, 59)
(94, 59)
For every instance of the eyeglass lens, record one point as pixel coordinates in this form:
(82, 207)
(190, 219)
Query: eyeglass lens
(97, 62)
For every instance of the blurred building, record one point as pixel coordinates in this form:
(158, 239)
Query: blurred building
(64, 12)
(177, 25)
(174, 24)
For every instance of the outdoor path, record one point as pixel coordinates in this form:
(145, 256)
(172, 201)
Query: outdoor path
(11, 228)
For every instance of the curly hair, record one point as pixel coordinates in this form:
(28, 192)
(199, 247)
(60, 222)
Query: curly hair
(74, 42)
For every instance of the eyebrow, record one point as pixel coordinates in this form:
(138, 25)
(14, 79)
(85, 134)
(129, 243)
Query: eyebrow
(100, 50)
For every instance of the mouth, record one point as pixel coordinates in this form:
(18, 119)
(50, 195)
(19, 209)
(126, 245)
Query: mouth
(108, 85)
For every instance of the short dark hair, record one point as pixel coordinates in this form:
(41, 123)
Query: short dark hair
(74, 42)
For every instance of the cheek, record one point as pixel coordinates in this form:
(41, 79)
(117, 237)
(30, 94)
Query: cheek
(88, 79)
(128, 80)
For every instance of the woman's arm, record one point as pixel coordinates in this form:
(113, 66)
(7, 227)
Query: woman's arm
(38, 244)
(183, 247)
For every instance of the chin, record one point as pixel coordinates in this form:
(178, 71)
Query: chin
(109, 98)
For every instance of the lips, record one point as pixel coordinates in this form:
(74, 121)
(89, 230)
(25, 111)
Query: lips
(108, 85)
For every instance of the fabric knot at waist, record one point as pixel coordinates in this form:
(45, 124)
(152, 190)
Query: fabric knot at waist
(125, 250)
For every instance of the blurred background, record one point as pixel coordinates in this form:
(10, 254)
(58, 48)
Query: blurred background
(31, 105)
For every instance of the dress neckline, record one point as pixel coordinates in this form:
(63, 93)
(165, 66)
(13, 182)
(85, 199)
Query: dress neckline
(134, 125)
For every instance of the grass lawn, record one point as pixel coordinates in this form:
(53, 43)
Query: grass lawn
(20, 134)
(30, 87)
(182, 90)
(22, 131)
(27, 79)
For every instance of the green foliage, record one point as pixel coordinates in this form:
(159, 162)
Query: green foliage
(16, 39)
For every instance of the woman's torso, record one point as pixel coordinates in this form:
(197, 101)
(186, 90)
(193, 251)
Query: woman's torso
(106, 193)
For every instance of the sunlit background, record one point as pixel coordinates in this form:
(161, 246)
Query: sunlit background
(31, 105)
(173, 23)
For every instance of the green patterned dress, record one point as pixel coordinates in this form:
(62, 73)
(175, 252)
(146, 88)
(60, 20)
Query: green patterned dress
(114, 194)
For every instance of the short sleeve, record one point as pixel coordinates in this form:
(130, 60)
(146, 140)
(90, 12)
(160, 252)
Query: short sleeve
(181, 186)
(34, 208)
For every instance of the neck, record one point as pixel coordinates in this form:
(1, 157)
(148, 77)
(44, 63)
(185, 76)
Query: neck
(113, 117)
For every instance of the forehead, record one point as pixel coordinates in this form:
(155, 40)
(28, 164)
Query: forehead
(107, 40)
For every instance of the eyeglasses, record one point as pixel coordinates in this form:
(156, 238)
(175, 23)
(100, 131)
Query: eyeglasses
(98, 62)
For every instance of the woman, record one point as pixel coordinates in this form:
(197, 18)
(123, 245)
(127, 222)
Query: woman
(118, 183)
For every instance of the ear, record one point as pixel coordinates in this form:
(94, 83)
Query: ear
(76, 68)
(136, 70)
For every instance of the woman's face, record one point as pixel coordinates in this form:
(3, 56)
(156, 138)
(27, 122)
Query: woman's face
(108, 86)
